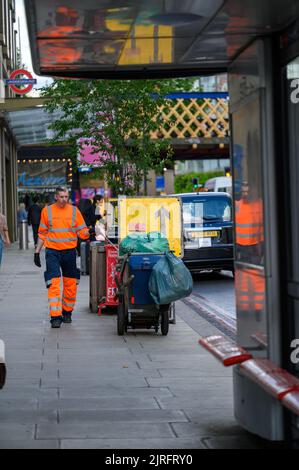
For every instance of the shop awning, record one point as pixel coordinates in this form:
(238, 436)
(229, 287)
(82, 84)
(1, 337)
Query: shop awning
(31, 126)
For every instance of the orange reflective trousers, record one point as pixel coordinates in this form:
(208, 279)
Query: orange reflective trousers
(64, 261)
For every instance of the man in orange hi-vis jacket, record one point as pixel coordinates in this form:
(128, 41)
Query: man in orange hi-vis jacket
(249, 227)
(60, 225)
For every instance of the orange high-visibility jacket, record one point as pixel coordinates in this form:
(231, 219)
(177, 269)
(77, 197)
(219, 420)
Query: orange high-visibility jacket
(60, 227)
(249, 223)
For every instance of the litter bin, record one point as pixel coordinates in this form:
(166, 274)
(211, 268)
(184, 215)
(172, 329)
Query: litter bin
(97, 275)
(23, 235)
(110, 298)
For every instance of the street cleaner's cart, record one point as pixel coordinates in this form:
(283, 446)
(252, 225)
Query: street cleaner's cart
(149, 229)
(136, 308)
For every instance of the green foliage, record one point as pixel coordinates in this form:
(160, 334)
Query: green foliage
(119, 115)
(183, 183)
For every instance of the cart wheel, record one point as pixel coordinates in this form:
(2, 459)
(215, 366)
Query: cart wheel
(164, 322)
(121, 317)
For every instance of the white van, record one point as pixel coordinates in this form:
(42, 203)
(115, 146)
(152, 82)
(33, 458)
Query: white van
(221, 184)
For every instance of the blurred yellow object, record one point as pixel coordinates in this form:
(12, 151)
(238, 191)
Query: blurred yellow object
(152, 214)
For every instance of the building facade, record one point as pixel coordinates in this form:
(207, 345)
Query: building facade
(8, 154)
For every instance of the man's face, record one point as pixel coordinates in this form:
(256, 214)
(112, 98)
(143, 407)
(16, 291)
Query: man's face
(62, 198)
(245, 192)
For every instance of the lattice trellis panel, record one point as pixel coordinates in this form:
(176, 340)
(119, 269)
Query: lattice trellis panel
(195, 118)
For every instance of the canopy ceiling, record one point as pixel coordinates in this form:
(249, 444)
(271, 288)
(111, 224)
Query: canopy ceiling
(131, 38)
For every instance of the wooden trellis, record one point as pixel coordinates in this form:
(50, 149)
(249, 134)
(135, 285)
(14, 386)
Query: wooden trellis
(194, 118)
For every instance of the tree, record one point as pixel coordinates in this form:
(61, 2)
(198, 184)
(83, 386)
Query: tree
(183, 183)
(119, 116)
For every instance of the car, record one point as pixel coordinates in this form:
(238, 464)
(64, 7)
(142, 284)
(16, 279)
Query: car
(208, 231)
(221, 184)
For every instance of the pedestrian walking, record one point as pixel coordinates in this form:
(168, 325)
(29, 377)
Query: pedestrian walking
(27, 201)
(86, 208)
(99, 207)
(61, 225)
(4, 236)
(34, 215)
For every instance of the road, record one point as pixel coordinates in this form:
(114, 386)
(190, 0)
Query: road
(213, 298)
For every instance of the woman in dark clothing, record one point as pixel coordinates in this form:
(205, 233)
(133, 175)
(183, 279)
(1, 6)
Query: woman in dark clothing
(86, 208)
(98, 207)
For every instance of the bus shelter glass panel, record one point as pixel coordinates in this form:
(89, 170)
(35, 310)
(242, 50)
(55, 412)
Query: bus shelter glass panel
(291, 189)
(249, 225)
(248, 185)
(292, 248)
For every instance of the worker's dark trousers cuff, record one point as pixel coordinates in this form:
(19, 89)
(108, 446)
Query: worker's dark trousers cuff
(66, 314)
(56, 318)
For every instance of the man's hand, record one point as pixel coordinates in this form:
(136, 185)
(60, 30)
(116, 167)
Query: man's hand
(37, 260)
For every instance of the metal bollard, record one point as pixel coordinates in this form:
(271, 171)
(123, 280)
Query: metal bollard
(23, 235)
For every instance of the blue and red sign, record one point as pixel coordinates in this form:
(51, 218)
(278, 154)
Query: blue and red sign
(14, 83)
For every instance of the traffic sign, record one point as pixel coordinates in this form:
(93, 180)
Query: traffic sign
(14, 83)
(147, 214)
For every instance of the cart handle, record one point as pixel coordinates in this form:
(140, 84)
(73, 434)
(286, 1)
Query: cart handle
(120, 286)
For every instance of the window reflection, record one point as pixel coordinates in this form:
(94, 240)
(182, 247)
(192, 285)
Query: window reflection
(209, 210)
(249, 218)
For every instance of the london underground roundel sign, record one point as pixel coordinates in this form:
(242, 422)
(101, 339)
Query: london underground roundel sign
(15, 82)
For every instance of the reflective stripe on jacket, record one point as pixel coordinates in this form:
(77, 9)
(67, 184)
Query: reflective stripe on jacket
(60, 227)
(249, 223)
(250, 291)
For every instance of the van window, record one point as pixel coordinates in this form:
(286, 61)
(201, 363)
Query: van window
(196, 213)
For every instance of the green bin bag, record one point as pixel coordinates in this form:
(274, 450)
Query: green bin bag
(170, 280)
(152, 242)
(132, 243)
(157, 242)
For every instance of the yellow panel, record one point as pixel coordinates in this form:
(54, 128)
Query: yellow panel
(148, 45)
(165, 54)
(146, 215)
(115, 24)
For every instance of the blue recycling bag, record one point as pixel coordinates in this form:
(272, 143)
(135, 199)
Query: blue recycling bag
(170, 280)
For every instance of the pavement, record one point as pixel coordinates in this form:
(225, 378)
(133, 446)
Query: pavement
(83, 387)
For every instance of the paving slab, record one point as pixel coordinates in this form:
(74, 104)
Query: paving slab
(83, 386)
(149, 443)
(94, 382)
(85, 393)
(15, 431)
(89, 430)
(215, 427)
(29, 444)
(197, 399)
(122, 416)
(33, 416)
(236, 442)
(113, 403)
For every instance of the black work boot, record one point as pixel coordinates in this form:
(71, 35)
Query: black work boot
(66, 316)
(56, 322)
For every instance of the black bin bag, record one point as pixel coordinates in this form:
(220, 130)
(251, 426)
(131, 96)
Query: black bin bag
(170, 280)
